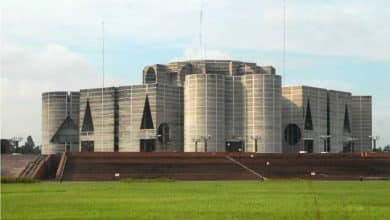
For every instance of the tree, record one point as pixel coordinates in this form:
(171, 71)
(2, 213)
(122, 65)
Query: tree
(29, 147)
(386, 148)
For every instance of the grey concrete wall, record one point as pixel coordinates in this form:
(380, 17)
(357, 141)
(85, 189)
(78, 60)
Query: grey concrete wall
(295, 100)
(166, 105)
(338, 100)
(56, 106)
(204, 112)
(224, 100)
(102, 111)
(131, 105)
(170, 110)
(362, 122)
(263, 112)
(235, 109)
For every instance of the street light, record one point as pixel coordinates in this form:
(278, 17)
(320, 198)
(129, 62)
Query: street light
(162, 140)
(374, 139)
(205, 139)
(256, 138)
(196, 140)
(326, 139)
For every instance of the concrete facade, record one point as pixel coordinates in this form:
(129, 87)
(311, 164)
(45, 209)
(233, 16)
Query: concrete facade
(56, 108)
(206, 105)
(339, 121)
(362, 122)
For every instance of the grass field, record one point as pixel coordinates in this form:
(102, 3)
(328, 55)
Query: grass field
(197, 200)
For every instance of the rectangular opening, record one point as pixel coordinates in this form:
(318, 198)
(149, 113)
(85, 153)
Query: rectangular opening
(147, 145)
(234, 146)
(348, 147)
(308, 144)
(87, 146)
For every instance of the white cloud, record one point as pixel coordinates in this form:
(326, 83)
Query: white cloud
(196, 54)
(347, 28)
(26, 73)
(352, 28)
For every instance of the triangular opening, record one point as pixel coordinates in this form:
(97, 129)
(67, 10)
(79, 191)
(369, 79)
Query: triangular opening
(87, 123)
(147, 122)
(308, 119)
(347, 126)
(66, 133)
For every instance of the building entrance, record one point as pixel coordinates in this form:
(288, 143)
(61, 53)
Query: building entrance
(234, 146)
(147, 145)
(309, 145)
(87, 146)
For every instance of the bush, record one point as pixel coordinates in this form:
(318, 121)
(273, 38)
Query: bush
(149, 180)
(9, 179)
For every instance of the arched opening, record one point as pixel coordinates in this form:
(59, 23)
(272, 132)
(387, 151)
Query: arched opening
(292, 134)
(150, 76)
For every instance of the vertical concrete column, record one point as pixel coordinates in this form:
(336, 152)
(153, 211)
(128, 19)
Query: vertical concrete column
(263, 101)
(204, 108)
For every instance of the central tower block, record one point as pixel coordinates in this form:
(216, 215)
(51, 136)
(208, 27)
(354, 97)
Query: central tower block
(204, 105)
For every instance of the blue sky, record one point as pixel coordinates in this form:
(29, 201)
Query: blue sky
(49, 45)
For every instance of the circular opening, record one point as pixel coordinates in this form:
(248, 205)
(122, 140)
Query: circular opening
(292, 134)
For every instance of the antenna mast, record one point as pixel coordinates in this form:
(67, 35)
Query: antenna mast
(284, 38)
(102, 116)
(201, 30)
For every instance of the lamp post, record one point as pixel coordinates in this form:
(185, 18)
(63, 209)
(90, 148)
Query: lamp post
(239, 154)
(196, 140)
(326, 142)
(162, 141)
(374, 139)
(206, 139)
(256, 138)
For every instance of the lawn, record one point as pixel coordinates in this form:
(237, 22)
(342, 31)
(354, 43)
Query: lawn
(296, 199)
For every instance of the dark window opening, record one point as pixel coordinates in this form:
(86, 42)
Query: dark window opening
(87, 146)
(327, 123)
(308, 118)
(116, 121)
(292, 134)
(163, 133)
(147, 145)
(234, 146)
(67, 147)
(87, 122)
(147, 122)
(347, 126)
(309, 144)
(68, 132)
(150, 76)
(348, 147)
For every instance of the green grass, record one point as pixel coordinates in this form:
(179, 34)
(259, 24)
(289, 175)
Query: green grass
(197, 200)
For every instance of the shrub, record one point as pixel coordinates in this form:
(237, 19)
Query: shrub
(9, 179)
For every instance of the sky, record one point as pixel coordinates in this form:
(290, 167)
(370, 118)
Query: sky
(56, 45)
